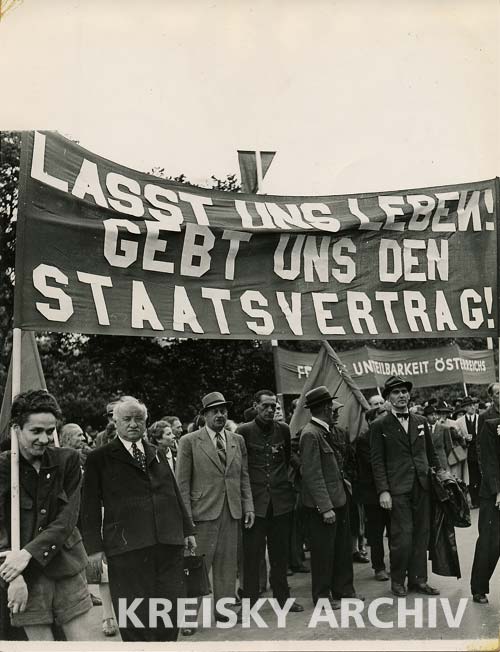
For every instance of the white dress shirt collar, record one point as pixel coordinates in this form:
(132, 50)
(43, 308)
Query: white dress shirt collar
(213, 435)
(128, 445)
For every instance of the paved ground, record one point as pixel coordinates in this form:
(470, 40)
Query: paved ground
(478, 621)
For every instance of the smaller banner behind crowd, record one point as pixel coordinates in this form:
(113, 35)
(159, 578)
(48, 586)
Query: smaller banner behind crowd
(371, 367)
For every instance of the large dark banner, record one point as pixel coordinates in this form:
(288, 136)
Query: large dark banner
(370, 368)
(105, 249)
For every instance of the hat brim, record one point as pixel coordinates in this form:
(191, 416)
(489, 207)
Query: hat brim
(324, 400)
(218, 404)
(387, 390)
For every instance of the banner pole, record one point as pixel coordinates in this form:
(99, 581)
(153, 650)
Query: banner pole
(15, 536)
(258, 166)
(465, 389)
(277, 375)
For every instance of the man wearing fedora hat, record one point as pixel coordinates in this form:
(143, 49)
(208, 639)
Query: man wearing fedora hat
(212, 473)
(401, 453)
(325, 502)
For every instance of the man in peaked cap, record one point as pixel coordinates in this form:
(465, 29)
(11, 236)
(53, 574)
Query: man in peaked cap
(325, 502)
(212, 473)
(269, 450)
(401, 453)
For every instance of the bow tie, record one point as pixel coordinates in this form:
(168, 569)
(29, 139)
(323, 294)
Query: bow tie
(402, 415)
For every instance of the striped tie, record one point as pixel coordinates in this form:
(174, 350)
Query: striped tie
(139, 456)
(219, 442)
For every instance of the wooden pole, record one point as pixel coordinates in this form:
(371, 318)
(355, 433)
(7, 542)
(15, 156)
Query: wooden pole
(15, 536)
(465, 389)
(277, 375)
(258, 165)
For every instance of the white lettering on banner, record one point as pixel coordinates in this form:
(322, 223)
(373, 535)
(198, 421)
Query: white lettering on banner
(355, 308)
(446, 212)
(153, 245)
(87, 183)
(142, 308)
(38, 171)
(184, 314)
(169, 216)
(314, 261)
(97, 283)
(396, 261)
(303, 370)
(323, 314)
(247, 299)
(292, 314)
(234, 237)
(128, 248)
(125, 202)
(387, 299)
(472, 317)
(198, 204)
(198, 242)
(217, 296)
(65, 305)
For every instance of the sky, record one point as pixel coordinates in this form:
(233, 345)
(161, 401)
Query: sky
(354, 96)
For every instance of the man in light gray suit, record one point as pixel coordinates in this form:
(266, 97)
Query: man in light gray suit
(212, 474)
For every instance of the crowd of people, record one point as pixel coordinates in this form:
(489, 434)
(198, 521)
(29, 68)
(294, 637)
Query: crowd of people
(122, 509)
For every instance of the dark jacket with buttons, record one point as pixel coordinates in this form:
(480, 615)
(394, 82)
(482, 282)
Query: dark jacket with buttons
(269, 450)
(398, 457)
(322, 481)
(140, 509)
(49, 502)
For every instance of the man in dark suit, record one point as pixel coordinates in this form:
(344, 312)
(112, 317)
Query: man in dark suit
(269, 450)
(143, 527)
(488, 544)
(401, 454)
(491, 412)
(378, 520)
(325, 502)
(213, 479)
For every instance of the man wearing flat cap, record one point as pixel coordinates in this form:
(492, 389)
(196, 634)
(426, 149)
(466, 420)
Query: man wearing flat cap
(325, 502)
(401, 454)
(212, 473)
(468, 427)
(269, 449)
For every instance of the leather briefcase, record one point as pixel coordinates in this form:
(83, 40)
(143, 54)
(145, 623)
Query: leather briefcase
(196, 576)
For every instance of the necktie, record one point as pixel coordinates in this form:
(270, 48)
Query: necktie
(402, 415)
(219, 443)
(139, 456)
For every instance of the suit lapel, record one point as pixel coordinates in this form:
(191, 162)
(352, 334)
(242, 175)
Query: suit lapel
(231, 445)
(208, 448)
(119, 452)
(397, 429)
(412, 429)
(150, 452)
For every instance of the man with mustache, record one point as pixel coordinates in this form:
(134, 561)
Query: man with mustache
(212, 473)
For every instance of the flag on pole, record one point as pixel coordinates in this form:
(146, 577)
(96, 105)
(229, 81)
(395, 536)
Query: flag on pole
(328, 370)
(250, 181)
(31, 378)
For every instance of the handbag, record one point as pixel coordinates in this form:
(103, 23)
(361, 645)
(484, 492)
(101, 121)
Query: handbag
(456, 455)
(196, 576)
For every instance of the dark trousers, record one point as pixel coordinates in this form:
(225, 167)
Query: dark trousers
(487, 546)
(331, 554)
(152, 572)
(377, 521)
(474, 481)
(296, 553)
(276, 531)
(410, 530)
